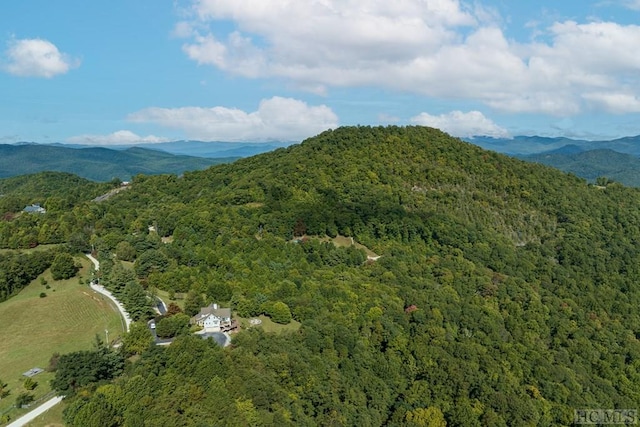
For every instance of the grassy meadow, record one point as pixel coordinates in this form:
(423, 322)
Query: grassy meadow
(178, 297)
(343, 241)
(51, 418)
(267, 324)
(32, 328)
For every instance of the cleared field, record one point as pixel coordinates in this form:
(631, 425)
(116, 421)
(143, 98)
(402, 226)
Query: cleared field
(267, 325)
(33, 328)
(343, 241)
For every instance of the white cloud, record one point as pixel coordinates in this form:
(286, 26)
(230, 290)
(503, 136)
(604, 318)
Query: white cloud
(460, 124)
(615, 102)
(438, 48)
(632, 4)
(121, 137)
(37, 58)
(277, 118)
(183, 29)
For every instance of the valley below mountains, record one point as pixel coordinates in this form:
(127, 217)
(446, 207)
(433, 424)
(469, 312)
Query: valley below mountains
(503, 292)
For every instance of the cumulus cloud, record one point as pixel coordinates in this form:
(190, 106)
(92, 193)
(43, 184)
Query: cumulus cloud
(615, 102)
(632, 4)
(121, 137)
(37, 58)
(457, 123)
(277, 118)
(438, 48)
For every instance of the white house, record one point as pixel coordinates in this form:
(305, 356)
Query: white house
(212, 318)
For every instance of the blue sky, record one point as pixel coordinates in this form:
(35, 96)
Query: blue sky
(147, 71)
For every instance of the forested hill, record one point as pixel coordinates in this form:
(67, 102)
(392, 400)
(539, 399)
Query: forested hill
(95, 163)
(506, 292)
(594, 164)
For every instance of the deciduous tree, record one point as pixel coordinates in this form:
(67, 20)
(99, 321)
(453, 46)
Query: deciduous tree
(63, 267)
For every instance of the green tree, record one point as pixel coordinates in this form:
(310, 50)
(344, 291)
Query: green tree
(136, 301)
(99, 412)
(81, 368)
(4, 392)
(280, 313)
(169, 327)
(193, 303)
(429, 417)
(125, 251)
(137, 340)
(78, 243)
(24, 399)
(63, 267)
(118, 278)
(149, 261)
(29, 384)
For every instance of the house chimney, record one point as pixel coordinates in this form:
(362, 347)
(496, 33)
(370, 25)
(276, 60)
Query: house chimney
(215, 306)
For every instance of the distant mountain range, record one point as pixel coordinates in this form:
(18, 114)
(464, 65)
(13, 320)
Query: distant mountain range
(525, 145)
(617, 159)
(214, 149)
(97, 163)
(591, 164)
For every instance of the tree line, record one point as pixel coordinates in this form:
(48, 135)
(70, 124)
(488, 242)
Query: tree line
(506, 292)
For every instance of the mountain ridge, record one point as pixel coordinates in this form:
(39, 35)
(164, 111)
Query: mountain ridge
(526, 145)
(506, 293)
(96, 163)
(593, 164)
(194, 148)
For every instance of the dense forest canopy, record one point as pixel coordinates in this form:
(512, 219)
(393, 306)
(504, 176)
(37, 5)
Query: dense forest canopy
(594, 165)
(506, 293)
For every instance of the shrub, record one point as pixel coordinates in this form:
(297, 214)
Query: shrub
(29, 384)
(53, 362)
(23, 399)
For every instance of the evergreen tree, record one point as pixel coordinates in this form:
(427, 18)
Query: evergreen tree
(136, 302)
(193, 303)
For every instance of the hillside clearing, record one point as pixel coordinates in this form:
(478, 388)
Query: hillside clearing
(267, 325)
(33, 328)
(344, 241)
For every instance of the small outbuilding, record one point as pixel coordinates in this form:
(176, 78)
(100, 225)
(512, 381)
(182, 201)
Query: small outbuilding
(35, 208)
(32, 372)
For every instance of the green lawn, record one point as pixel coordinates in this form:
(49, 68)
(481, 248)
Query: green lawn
(164, 295)
(267, 325)
(33, 328)
(343, 241)
(51, 418)
(37, 248)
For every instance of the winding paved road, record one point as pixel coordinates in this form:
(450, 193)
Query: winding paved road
(103, 291)
(30, 416)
